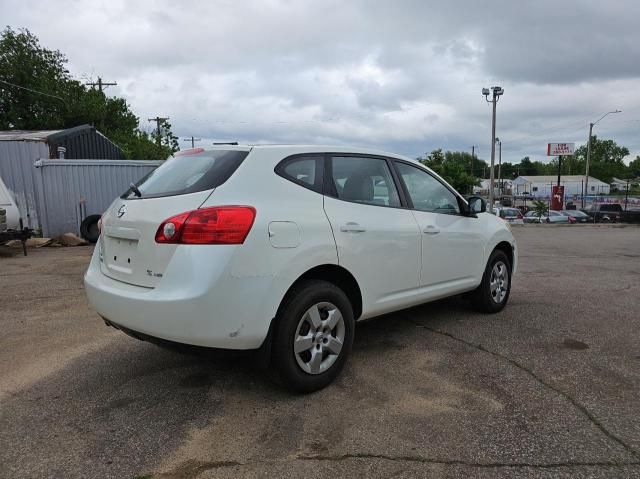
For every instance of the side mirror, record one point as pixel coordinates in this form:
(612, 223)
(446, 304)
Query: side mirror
(476, 205)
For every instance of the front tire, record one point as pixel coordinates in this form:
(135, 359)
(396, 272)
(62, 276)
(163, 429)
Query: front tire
(493, 293)
(313, 336)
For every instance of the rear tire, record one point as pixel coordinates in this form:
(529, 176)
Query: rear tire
(313, 336)
(493, 293)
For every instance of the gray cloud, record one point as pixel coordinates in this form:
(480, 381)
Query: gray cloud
(404, 76)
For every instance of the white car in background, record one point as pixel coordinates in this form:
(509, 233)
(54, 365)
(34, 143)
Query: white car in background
(283, 248)
(510, 215)
(551, 216)
(8, 204)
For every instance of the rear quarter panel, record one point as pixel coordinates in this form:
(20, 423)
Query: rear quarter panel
(290, 235)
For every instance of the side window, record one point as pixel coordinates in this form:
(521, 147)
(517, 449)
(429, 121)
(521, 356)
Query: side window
(363, 180)
(303, 170)
(427, 193)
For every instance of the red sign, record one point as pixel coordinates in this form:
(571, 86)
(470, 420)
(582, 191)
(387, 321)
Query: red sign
(557, 197)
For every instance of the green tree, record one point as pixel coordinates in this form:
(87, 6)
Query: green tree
(454, 167)
(164, 137)
(25, 63)
(38, 93)
(540, 208)
(526, 167)
(606, 159)
(634, 168)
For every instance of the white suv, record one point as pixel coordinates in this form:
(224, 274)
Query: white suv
(283, 248)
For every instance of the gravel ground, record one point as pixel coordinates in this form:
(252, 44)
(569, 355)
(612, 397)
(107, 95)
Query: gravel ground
(550, 387)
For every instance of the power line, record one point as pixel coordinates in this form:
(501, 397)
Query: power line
(34, 91)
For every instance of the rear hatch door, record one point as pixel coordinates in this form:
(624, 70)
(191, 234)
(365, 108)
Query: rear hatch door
(128, 250)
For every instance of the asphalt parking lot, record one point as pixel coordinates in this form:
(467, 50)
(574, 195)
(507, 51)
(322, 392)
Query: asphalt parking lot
(550, 387)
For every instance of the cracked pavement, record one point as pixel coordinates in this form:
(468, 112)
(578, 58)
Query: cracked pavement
(550, 387)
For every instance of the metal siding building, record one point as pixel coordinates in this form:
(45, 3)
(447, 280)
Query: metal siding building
(541, 186)
(70, 190)
(19, 150)
(84, 142)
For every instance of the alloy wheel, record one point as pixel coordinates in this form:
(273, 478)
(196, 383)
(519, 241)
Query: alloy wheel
(319, 338)
(499, 282)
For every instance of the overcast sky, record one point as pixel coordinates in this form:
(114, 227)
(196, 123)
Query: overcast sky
(404, 76)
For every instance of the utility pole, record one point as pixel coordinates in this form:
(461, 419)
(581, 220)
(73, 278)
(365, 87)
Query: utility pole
(626, 196)
(100, 84)
(473, 155)
(499, 166)
(497, 92)
(586, 174)
(192, 140)
(158, 120)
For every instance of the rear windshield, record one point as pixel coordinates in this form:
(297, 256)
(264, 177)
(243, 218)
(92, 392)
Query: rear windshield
(189, 172)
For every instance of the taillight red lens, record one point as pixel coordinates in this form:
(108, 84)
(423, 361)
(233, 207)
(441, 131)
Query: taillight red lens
(216, 225)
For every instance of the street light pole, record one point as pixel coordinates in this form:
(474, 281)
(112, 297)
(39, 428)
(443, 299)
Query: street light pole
(586, 174)
(497, 91)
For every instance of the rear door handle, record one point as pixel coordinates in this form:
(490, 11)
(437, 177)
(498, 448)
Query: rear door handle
(431, 230)
(351, 227)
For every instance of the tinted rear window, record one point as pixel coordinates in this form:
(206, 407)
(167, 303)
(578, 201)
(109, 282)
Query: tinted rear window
(189, 173)
(610, 208)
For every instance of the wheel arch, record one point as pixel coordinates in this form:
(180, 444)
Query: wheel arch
(336, 275)
(507, 249)
(331, 273)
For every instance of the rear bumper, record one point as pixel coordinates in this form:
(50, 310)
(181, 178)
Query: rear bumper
(197, 303)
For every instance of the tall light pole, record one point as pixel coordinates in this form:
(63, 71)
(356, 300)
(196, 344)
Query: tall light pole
(497, 92)
(586, 173)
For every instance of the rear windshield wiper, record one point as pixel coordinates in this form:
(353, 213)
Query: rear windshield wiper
(135, 190)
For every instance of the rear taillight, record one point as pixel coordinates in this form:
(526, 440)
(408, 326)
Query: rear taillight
(216, 225)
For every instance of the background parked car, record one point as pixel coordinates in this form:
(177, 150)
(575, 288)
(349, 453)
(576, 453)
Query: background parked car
(577, 215)
(552, 216)
(511, 215)
(604, 212)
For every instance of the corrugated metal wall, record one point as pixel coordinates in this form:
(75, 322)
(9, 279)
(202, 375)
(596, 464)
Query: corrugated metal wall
(17, 172)
(70, 190)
